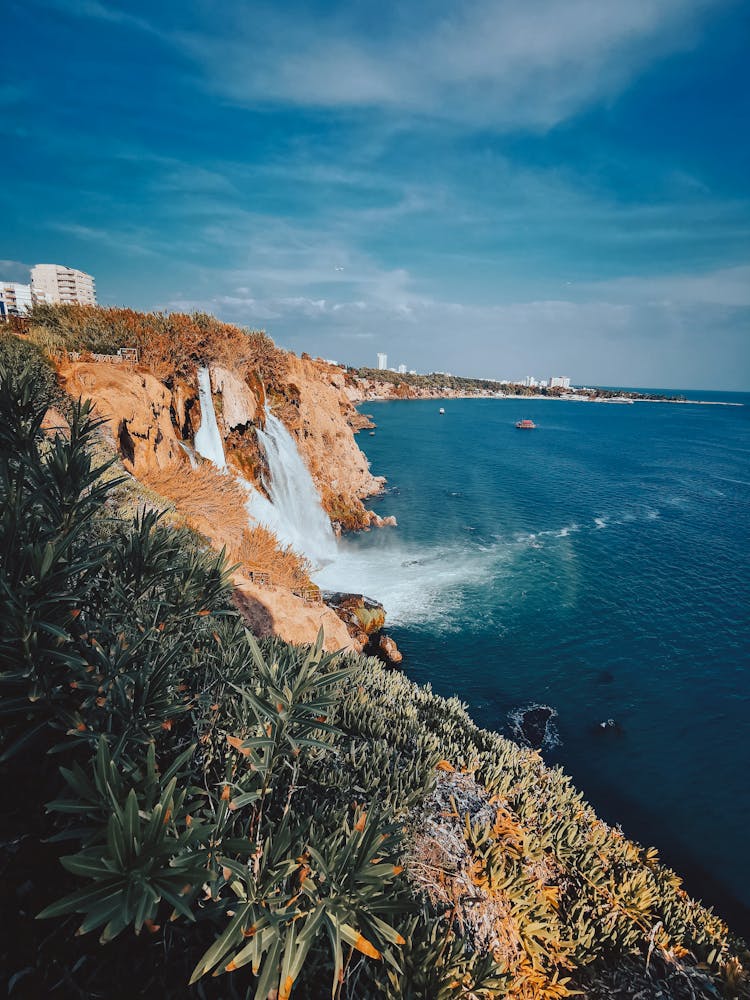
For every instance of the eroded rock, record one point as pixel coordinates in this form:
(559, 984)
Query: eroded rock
(360, 614)
(388, 649)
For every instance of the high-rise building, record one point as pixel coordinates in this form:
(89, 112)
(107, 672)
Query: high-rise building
(57, 284)
(382, 362)
(402, 369)
(15, 298)
(561, 381)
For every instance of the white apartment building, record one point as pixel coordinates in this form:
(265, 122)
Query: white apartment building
(382, 362)
(402, 369)
(54, 283)
(15, 298)
(561, 381)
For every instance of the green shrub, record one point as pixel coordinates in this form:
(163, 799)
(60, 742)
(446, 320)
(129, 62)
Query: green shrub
(20, 358)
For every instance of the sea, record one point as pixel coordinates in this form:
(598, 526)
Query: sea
(597, 565)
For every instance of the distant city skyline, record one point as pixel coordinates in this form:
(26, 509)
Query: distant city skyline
(493, 187)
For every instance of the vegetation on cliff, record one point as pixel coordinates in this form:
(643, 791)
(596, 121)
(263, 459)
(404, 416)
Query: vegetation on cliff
(157, 408)
(169, 344)
(184, 804)
(405, 386)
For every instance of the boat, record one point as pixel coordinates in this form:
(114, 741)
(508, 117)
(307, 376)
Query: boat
(441, 410)
(526, 425)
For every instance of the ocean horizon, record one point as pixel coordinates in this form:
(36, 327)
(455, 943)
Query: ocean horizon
(596, 566)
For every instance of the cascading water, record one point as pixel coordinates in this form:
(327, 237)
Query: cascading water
(294, 514)
(413, 584)
(208, 441)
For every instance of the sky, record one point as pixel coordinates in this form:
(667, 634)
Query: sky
(495, 188)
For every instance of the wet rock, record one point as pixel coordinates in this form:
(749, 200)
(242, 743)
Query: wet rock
(533, 726)
(388, 650)
(360, 614)
(238, 404)
(609, 727)
(376, 521)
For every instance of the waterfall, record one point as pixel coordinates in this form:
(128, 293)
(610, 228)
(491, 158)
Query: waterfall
(190, 454)
(208, 441)
(294, 514)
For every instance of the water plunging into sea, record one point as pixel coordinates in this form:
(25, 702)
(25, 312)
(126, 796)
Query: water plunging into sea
(294, 513)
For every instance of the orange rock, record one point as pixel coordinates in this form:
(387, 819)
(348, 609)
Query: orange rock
(277, 611)
(137, 407)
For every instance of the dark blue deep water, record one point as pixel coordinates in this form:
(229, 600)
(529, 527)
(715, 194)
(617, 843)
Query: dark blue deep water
(598, 565)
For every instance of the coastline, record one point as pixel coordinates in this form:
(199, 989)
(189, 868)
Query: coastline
(389, 398)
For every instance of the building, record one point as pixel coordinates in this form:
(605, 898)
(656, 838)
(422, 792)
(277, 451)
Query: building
(54, 283)
(382, 362)
(559, 381)
(15, 298)
(402, 369)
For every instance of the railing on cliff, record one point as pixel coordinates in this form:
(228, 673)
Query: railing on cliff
(124, 354)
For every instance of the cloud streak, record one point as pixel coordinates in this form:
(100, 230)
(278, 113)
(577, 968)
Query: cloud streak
(503, 64)
(499, 63)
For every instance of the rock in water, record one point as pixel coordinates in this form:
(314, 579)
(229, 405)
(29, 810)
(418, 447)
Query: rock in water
(533, 726)
(360, 614)
(364, 619)
(388, 650)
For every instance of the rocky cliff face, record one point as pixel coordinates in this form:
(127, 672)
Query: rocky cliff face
(316, 408)
(152, 422)
(145, 420)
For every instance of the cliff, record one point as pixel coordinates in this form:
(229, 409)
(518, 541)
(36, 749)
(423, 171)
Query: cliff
(152, 411)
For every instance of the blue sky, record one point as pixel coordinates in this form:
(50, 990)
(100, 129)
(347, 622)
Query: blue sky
(495, 188)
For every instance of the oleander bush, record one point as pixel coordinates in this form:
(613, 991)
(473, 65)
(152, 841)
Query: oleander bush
(189, 812)
(19, 357)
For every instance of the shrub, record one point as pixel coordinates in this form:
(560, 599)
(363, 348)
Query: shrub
(184, 747)
(24, 361)
(170, 344)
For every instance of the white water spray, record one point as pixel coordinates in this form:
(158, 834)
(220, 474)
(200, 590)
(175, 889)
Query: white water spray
(414, 584)
(294, 513)
(208, 441)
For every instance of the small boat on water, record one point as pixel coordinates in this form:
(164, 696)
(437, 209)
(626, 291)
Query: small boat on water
(526, 425)
(441, 410)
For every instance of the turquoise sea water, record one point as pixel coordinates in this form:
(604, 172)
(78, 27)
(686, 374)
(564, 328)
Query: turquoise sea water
(598, 565)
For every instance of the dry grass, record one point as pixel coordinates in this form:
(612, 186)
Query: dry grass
(170, 344)
(210, 502)
(214, 505)
(260, 551)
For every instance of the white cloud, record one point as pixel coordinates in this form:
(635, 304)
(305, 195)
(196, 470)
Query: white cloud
(680, 330)
(506, 63)
(495, 62)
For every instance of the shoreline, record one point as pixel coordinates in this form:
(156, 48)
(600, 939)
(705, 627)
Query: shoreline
(557, 399)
